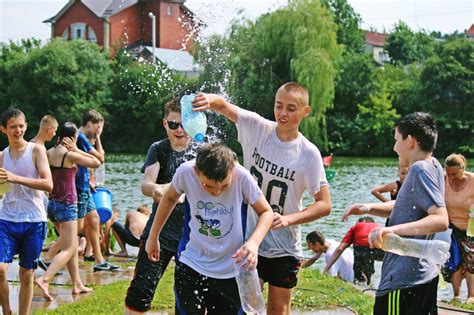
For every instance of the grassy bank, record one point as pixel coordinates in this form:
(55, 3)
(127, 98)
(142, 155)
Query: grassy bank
(314, 292)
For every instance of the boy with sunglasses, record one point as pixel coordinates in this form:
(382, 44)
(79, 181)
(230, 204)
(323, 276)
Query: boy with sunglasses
(163, 158)
(218, 191)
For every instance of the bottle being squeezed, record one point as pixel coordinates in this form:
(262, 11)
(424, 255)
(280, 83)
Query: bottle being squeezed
(470, 223)
(194, 123)
(435, 251)
(251, 296)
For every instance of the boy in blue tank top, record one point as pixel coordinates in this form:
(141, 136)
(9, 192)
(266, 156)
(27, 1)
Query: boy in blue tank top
(217, 191)
(24, 167)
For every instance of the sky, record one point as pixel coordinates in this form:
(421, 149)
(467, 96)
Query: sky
(23, 18)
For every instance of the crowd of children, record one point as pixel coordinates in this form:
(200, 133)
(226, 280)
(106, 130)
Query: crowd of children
(210, 213)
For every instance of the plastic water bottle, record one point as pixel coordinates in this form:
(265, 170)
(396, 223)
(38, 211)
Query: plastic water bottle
(435, 251)
(194, 123)
(4, 188)
(99, 175)
(470, 223)
(251, 296)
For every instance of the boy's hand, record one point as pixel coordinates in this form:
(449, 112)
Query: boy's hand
(152, 248)
(355, 209)
(376, 237)
(203, 101)
(6, 176)
(279, 221)
(248, 253)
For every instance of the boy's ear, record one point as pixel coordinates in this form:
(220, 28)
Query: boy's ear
(196, 170)
(307, 110)
(412, 141)
(3, 129)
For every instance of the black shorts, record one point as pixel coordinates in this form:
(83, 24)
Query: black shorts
(419, 300)
(125, 235)
(364, 259)
(196, 293)
(145, 279)
(279, 272)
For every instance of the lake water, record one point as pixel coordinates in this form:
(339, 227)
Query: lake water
(353, 182)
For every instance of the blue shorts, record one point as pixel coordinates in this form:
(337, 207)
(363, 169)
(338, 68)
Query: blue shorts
(85, 203)
(62, 212)
(24, 238)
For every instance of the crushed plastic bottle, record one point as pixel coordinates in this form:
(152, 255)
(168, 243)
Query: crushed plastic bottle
(4, 188)
(434, 251)
(251, 296)
(194, 123)
(470, 223)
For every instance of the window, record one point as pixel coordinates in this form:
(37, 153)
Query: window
(170, 10)
(78, 31)
(91, 34)
(65, 35)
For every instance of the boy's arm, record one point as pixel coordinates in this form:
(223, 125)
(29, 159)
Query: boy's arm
(321, 207)
(44, 182)
(379, 190)
(249, 251)
(335, 256)
(217, 103)
(149, 186)
(167, 204)
(435, 221)
(383, 209)
(309, 262)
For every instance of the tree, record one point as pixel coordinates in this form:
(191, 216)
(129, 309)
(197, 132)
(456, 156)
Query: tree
(405, 47)
(348, 23)
(295, 43)
(447, 91)
(63, 78)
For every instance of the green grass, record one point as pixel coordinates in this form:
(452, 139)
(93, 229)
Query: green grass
(314, 292)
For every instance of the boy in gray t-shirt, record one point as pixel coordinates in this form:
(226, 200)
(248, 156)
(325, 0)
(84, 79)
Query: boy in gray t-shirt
(408, 285)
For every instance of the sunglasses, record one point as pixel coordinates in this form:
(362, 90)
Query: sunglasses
(173, 125)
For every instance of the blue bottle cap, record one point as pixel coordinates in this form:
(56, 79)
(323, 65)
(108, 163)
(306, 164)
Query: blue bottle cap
(199, 137)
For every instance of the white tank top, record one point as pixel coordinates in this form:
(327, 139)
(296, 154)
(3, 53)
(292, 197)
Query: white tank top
(21, 203)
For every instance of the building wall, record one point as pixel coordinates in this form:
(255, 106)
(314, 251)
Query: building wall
(78, 12)
(125, 27)
(172, 34)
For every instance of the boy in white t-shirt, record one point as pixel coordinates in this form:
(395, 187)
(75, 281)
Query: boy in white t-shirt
(342, 268)
(217, 191)
(285, 164)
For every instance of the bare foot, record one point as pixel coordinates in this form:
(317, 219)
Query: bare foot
(79, 289)
(122, 253)
(82, 246)
(44, 286)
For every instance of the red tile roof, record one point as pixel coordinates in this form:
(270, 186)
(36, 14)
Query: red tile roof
(374, 38)
(470, 31)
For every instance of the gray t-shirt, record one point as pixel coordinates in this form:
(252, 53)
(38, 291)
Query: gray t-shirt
(423, 188)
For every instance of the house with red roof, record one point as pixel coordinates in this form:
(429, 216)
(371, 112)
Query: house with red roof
(470, 32)
(374, 45)
(115, 24)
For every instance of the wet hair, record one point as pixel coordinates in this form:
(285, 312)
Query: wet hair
(67, 130)
(11, 113)
(48, 120)
(365, 219)
(421, 126)
(315, 237)
(93, 116)
(172, 106)
(144, 209)
(299, 91)
(215, 161)
(457, 160)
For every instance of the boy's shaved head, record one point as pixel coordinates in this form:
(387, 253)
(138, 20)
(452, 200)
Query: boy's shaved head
(298, 91)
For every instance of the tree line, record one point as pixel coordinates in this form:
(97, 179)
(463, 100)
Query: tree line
(354, 102)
